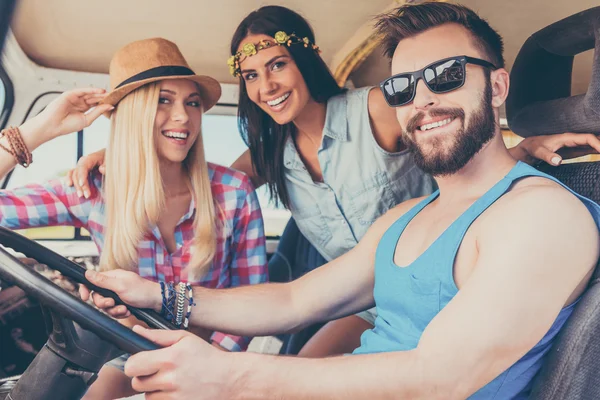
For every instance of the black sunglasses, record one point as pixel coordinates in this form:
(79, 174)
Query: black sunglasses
(440, 77)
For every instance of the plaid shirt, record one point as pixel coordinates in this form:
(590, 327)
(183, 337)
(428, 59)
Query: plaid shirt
(240, 257)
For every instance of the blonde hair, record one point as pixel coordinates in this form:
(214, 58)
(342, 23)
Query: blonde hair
(133, 187)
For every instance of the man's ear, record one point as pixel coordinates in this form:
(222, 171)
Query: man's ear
(500, 81)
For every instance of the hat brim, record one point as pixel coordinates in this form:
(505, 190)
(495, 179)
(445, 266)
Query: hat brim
(210, 89)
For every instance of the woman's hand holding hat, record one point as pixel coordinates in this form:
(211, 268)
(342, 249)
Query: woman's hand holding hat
(70, 112)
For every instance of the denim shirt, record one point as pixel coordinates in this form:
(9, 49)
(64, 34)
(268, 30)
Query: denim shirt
(361, 181)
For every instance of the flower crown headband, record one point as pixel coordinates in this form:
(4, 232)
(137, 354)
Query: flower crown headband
(250, 49)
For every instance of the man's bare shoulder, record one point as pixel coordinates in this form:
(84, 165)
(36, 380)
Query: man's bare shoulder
(542, 197)
(541, 232)
(539, 209)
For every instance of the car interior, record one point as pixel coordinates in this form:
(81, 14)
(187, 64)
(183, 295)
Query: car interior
(553, 54)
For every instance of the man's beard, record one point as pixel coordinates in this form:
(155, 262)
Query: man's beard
(468, 142)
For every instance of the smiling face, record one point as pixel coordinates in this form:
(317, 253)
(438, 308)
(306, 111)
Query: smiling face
(444, 131)
(274, 82)
(178, 119)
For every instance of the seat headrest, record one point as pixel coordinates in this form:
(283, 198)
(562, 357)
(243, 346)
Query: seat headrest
(539, 100)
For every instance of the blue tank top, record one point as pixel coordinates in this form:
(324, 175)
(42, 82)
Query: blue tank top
(409, 298)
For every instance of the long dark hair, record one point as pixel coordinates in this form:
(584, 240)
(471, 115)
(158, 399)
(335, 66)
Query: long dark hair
(264, 137)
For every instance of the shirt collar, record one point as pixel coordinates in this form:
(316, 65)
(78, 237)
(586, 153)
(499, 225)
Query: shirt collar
(336, 119)
(191, 212)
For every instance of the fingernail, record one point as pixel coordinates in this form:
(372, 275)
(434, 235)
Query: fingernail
(556, 160)
(79, 194)
(92, 274)
(86, 194)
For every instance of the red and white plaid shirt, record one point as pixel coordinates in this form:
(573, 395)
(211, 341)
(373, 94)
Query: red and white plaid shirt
(240, 257)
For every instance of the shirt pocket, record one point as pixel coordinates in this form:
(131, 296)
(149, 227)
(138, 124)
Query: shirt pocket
(312, 224)
(370, 198)
(425, 298)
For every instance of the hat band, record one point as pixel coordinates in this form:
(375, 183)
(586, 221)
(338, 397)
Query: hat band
(170, 70)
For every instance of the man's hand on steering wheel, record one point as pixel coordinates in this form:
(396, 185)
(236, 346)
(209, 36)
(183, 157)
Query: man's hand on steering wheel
(129, 286)
(185, 368)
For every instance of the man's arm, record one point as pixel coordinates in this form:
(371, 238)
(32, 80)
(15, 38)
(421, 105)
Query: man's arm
(339, 288)
(529, 267)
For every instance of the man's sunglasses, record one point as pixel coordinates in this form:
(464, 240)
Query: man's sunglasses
(440, 77)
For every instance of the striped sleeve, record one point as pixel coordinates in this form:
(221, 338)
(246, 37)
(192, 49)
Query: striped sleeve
(49, 204)
(249, 257)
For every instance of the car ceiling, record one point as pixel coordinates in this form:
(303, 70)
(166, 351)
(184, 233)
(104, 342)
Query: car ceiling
(83, 35)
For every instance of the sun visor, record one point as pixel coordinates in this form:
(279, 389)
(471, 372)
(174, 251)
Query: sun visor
(539, 100)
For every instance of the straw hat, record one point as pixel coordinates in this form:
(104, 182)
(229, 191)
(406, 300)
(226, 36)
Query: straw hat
(151, 60)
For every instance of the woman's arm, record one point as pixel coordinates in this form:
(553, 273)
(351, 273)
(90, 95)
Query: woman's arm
(244, 164)
(554, 148)
(70, 112)
(384, 123)
(38, 205)
(51, 203)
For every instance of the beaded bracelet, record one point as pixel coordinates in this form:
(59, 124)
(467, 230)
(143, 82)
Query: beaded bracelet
(180, 304)
(168, 301)
(173, 303)
(18, 149)
(163, 309)
(191, 303)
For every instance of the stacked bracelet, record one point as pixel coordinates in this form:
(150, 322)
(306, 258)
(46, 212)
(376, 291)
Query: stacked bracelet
(173, 303)
(168, 301)
(191, 303)
(180, 304)
(163, 309)
(18, 149)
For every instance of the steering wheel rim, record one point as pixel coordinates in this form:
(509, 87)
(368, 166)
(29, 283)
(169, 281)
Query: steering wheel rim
(53, 296)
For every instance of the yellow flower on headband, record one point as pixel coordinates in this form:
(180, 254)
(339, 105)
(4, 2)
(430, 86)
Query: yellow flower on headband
(249, 49)
(281, 37)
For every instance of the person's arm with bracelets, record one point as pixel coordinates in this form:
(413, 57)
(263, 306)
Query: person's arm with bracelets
(70, 112)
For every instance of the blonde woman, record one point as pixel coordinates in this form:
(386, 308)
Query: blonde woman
(160, 210)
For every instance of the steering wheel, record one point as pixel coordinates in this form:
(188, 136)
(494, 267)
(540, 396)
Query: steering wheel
(47, 293)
